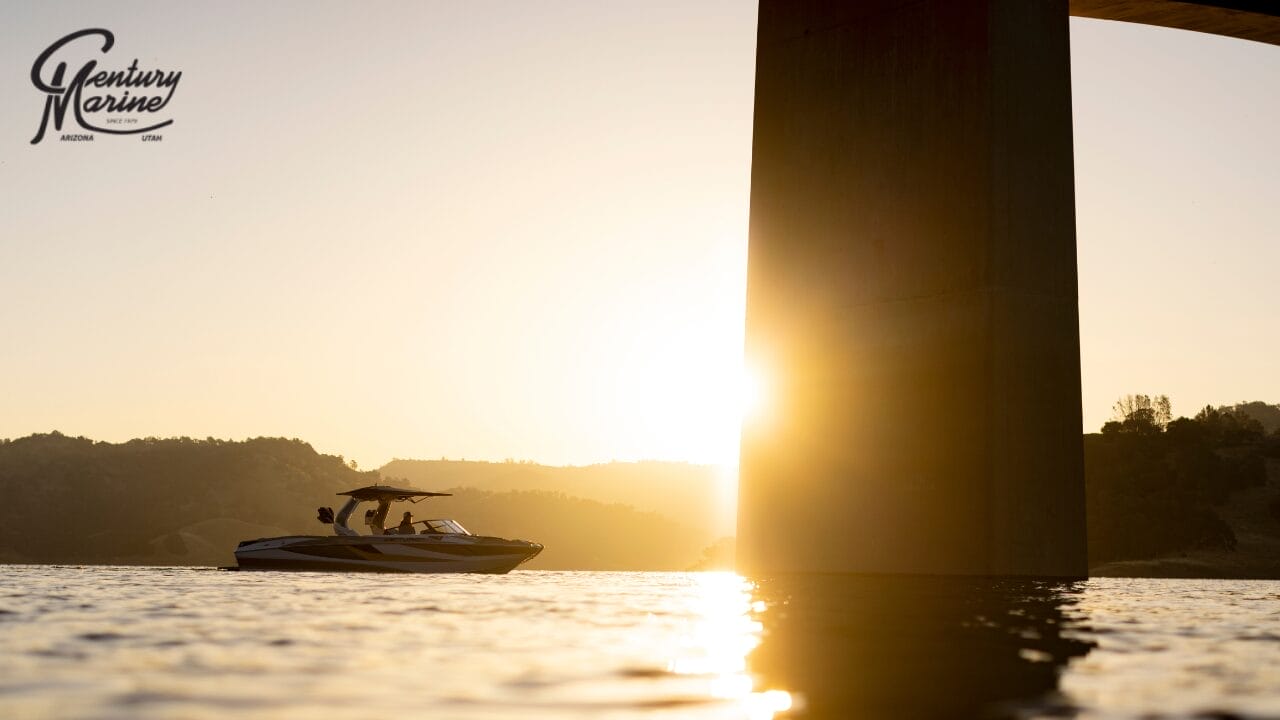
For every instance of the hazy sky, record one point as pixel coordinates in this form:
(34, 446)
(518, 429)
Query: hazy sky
(489, 230)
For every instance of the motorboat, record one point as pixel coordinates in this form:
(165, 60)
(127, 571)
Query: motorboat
(441, 546)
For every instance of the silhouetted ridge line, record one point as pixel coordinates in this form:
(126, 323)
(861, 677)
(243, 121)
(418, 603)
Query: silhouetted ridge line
(189, 502)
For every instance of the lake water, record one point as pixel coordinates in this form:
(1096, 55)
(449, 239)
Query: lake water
(106, 642)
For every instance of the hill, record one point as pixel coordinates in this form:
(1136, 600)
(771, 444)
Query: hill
(79, 501)
(1253, 515)
(188, 502)
(1266, 414)
(579, 534)
(1185, 497)
(1188, 497)
(696, 496)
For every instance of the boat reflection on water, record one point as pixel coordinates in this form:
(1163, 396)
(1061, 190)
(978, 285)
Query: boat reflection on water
(856, 646)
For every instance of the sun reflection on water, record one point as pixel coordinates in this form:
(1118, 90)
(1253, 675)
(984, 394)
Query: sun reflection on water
(156, 643)
(724, 632)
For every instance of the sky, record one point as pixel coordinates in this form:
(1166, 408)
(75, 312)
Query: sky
(493, 230)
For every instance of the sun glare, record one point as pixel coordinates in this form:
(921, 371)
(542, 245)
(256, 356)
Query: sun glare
(688, 396)
(752, 394)
(720, 639)
(711, 408)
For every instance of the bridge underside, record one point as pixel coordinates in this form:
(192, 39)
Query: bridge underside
(1245, 19)
(912, 284)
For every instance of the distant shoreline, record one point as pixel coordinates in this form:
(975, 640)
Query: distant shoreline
(1165, 568)
(1180, 569)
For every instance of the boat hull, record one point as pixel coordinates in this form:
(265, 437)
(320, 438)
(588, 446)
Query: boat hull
(390, 553)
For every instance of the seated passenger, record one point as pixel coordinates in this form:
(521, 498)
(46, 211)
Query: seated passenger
(406, 525)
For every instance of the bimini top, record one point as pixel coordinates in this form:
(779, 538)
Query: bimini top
(386, 492)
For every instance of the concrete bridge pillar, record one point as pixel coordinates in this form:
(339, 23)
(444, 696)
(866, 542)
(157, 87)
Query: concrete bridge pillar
(912, 291)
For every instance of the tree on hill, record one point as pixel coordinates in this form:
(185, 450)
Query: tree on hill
(1225, 426)
(1140, 414)
(1269, 415)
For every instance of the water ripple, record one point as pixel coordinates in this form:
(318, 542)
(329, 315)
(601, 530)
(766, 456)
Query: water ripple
(152, 643)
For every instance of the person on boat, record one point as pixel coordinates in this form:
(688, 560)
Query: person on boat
(406, 525)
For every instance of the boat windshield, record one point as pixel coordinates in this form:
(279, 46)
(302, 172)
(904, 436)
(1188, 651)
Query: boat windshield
(444, 527)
